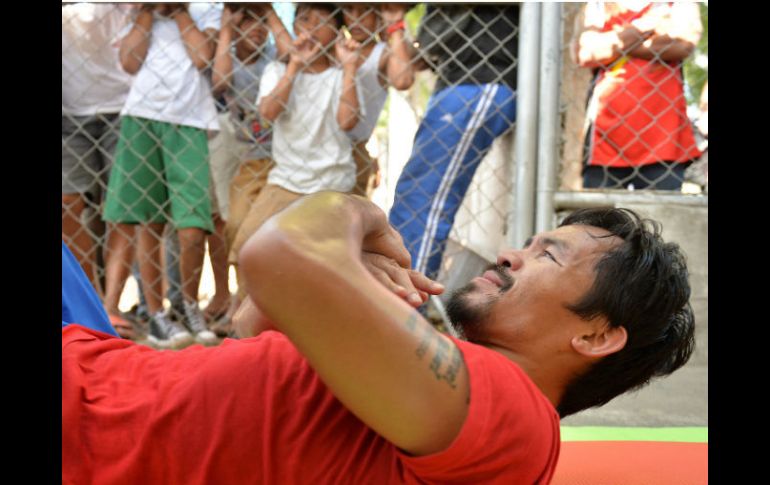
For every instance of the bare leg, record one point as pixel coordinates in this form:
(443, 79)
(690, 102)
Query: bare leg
(148, 253)
(191, 252)
(120, 255)
(218, 255)
(77, 237)
(241, 295)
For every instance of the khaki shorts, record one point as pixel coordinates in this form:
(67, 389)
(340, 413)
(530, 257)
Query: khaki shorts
(245, 186)
(366, 171)
(271, 200)
(226, 153)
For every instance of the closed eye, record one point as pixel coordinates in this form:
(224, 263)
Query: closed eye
(551, 256)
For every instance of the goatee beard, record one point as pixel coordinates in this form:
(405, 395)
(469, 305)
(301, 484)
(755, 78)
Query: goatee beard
(468, 318)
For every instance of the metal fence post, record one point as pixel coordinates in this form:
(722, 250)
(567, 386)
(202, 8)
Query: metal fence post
(548, 120)
(521, 217)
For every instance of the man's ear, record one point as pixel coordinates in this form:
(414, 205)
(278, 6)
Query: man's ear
(604, 341)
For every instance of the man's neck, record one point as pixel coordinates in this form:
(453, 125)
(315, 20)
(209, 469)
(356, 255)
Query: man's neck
(548, 379)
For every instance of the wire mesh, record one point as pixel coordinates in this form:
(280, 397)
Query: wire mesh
(185, 126)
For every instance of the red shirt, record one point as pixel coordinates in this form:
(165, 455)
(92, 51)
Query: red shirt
(254, 411)
(638, 109)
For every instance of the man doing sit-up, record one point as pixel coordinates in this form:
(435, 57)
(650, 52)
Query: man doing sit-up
(351, 385)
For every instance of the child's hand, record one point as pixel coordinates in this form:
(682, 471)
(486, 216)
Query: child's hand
(392, 12)
(231, 18)
(347, 51)
(303, 51)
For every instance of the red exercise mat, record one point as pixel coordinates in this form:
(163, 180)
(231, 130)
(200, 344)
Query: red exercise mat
(632, 463)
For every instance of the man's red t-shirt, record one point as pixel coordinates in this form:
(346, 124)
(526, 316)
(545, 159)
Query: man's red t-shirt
(254, 411)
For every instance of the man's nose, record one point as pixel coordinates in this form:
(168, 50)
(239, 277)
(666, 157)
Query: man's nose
(510, 258)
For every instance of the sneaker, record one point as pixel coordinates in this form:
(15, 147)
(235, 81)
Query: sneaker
(176, 312)
(197, 324)
(167, 334)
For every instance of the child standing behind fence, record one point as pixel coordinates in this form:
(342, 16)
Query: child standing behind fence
(161, 166)
(311, 103)
(243, 157)
(381, 63)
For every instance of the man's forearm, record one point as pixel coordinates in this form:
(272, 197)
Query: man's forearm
(303, 269)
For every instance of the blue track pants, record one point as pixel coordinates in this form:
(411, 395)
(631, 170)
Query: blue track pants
(458, 130)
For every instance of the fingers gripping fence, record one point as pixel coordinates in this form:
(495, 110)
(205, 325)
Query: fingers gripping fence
(186, 126)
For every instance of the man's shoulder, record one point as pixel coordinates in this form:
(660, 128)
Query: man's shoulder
(511, 430)
(492, 373)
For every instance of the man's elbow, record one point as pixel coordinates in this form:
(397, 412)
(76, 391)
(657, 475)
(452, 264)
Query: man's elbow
(252, 258)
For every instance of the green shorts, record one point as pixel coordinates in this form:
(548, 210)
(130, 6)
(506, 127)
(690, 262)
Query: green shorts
(161, 172)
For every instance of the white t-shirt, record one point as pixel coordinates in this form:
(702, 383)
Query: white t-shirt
(310, 150)
(168, 86)
(92, 80)
(374, 95)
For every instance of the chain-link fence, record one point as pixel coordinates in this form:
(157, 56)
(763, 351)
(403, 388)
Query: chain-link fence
(634, 108)
(184, 127)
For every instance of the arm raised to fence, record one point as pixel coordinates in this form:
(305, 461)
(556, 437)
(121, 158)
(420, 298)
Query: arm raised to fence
(199, 45)
(134, 46)
(222, 69)
(396, 65)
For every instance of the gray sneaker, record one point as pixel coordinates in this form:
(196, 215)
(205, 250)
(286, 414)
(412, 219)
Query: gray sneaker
(168, 335)
(197, 324)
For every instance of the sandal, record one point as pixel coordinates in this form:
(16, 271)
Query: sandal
(124, 328)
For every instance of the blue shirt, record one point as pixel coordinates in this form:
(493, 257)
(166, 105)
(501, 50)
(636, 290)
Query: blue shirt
(79, 301)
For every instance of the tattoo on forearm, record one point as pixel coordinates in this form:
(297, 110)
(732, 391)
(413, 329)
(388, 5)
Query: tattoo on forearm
(452, 366)
(424, 343)
(438, 357)
(447, 359)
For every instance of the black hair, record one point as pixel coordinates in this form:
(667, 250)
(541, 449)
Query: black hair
(642, 285)
(331, 8)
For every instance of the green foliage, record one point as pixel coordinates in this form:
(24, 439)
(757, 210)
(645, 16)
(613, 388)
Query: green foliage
(413, 17)
(695, 75)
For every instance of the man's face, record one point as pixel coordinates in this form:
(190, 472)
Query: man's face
(522, 301)
(318, 24)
